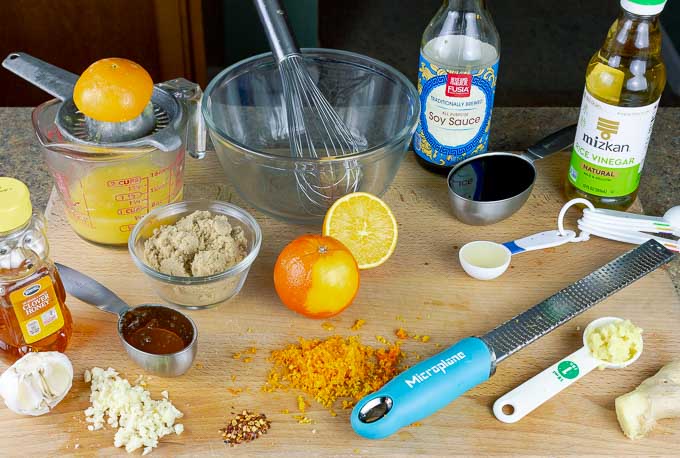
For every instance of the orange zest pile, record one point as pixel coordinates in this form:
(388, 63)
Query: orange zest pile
(332, 369)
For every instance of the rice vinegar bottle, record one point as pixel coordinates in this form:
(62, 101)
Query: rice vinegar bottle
(624, 81)
(457, 75)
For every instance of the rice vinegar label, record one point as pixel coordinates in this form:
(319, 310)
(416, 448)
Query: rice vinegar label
(455, 113)
(610, 147)
(37, 310)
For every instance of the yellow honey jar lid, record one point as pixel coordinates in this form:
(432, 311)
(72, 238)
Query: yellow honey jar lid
(15, 204)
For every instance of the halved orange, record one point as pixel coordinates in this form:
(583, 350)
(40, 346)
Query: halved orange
(113, 90)
(365, 225)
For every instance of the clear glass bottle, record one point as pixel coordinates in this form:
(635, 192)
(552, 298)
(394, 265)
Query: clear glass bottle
(457, 74)
(33, 312)
(624, 81)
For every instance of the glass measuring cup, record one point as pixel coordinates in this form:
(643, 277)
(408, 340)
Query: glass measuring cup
(516, 404)
(106, 189)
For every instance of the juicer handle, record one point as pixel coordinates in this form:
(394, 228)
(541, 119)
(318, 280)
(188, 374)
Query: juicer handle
(553, 143)
(51, 79)
(276, 28)
(191, 97)
(90, 291)
(423, 389)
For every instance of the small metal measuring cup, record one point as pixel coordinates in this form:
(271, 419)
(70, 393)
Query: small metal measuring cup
(131, 319)
(490, 187)
(516, 404)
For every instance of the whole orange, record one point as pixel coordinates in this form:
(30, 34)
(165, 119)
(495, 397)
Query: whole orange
(316, 276)
(113, 90)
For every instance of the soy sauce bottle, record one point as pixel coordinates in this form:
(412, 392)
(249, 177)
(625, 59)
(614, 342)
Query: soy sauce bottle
(457, 75)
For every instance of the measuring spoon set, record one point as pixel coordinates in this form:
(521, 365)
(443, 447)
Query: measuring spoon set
(486, 260)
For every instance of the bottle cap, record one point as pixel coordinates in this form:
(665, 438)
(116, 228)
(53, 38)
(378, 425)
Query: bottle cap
(643, 7)
(15, 204)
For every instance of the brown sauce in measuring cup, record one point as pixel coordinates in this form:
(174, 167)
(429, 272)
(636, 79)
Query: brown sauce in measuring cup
(158, 341)
(156, 330)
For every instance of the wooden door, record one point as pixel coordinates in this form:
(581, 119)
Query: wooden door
(164, 36)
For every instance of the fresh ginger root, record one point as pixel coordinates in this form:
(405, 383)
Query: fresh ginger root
(656, 398)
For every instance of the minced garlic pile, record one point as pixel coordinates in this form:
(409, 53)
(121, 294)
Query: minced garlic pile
(333, 368)
(140, 420)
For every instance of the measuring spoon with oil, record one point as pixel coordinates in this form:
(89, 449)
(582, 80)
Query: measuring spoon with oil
(531, 394)
(486, 260)
(136, 326)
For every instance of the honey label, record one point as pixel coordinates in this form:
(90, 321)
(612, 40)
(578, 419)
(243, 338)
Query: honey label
(37, 310)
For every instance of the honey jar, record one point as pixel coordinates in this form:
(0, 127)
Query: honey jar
(33, 312)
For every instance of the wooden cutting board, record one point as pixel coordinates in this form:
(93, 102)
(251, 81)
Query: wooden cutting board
(422, 288)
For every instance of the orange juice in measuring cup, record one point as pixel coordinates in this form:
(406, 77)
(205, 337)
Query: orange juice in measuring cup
(103, 202)
(107, 187)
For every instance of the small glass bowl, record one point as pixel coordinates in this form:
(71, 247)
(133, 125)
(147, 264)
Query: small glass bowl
(196, 292)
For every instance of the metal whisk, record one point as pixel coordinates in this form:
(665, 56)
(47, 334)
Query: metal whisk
(315, 130)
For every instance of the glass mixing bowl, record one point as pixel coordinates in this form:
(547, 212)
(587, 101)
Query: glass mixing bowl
(244, 109)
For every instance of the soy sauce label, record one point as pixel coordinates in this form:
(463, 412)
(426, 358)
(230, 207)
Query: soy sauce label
(455, 114)
(37, 310)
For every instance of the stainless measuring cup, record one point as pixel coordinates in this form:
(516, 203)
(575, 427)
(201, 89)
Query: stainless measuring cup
(490, 187)
(129, 319)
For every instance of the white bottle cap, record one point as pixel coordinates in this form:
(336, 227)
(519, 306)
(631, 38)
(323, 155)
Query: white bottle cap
(643, 7)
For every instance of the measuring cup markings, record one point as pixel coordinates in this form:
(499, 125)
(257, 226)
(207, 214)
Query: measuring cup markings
(522, 400)
(107, 197)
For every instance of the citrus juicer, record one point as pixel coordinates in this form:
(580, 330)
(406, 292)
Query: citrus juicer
(519, 402)
(109, 175)
(434, 383)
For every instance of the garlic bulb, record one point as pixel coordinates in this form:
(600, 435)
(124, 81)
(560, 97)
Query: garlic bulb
(36, 383)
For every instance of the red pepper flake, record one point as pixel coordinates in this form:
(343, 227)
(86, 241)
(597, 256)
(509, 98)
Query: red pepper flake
(245, 427)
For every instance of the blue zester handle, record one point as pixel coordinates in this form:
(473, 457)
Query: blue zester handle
(427, 387)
